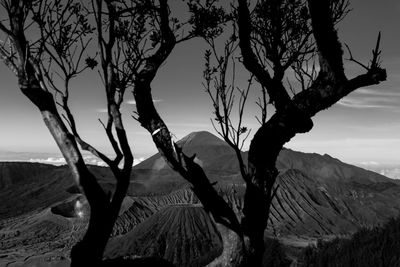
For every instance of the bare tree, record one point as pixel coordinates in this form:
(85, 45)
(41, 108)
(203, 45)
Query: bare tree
(275, 37)
(270, 43)
(133, 38)
(44, 67)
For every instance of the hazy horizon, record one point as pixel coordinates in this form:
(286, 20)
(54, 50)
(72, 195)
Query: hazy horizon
(391, 170)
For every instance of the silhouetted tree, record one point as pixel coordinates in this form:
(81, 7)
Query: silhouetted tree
(44, 68)
(276, 36)
(133, 39)
(274, 40)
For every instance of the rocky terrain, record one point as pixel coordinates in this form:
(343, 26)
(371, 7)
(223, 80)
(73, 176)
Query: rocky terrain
(42, 213)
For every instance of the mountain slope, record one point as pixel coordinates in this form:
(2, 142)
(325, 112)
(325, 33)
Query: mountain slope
(318, 194)
(327, 169)
(182, 234)
(26, 187)
(210, 153)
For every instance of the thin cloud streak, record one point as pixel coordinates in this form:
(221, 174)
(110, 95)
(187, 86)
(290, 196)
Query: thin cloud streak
(370, 99)
(361, 103)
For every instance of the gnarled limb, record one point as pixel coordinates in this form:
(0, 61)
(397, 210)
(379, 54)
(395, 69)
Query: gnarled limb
(277, 93)
(33, 78)
(292, 116)
(150, 119)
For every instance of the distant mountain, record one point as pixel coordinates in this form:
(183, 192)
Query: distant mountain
(212, 153)
(318, 195)
(219, 160)
(325, 168)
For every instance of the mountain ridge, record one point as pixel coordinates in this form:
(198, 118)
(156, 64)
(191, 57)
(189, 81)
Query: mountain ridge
(215, 155)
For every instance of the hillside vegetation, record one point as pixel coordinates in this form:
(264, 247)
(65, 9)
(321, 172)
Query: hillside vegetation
(374, 247)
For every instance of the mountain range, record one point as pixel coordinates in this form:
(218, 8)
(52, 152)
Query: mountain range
(318, 196)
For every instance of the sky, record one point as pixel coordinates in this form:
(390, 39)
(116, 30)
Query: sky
(363, 128)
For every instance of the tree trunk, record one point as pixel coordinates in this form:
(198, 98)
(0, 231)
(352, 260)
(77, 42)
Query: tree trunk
(263, 153)
(239, 251)
(233, 249)
(89, 251)
(256, 212)
(103, 212)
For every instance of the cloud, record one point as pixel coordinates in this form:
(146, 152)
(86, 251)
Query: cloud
(388, 170)
(51, 160)
(391, 173)
(133, 102)
(94, 161)
(361, 103)
(61, 161)
(89, 159)
(372, 98)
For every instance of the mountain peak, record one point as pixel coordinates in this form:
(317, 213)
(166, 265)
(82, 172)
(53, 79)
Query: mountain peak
(201, 138)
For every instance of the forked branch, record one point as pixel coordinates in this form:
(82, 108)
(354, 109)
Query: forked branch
(375, 62)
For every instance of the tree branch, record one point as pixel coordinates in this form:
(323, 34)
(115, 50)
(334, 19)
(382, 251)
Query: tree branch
(329, 48)
(278, 94)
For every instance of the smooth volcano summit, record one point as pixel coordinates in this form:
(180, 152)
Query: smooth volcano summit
(211, 152)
